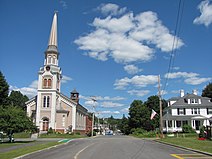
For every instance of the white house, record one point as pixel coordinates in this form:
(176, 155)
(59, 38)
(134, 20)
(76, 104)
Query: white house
(50, 108)
(188, 109)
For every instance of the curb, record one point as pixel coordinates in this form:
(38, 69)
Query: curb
(190, 149)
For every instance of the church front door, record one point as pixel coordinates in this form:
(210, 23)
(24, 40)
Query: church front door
(45, 125)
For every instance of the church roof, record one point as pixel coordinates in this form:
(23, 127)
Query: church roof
(74, 91)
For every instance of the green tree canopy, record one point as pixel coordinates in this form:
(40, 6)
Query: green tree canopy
(207, 91)
(16, 98)
(123, 125)
(4, 89)
(14, 119)
(135, 114)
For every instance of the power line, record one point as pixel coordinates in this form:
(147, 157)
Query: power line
(175, 41)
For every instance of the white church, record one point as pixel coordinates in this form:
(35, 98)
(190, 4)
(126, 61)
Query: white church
(50, 108)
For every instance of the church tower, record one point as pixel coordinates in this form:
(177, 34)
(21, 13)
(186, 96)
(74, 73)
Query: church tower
(49, 81)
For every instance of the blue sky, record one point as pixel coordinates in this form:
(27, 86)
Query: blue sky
(113, 50)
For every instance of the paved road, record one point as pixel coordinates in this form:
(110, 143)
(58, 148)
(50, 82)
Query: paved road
(111, 147)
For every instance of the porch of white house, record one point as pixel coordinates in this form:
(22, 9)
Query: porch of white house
(176, 125)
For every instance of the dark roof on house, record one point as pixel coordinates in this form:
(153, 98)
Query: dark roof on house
(173, 99)
(183, 101)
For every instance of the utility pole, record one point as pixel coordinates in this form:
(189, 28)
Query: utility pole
(94, 100)
(161, 111)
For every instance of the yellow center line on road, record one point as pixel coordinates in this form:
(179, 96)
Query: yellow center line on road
(176, 156)
(193, 156)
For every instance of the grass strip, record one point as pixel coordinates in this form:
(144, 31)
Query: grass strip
(26, 150)
(61, 136)
(190, 142)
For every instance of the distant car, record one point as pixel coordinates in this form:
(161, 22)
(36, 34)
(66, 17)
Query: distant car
(109, 132)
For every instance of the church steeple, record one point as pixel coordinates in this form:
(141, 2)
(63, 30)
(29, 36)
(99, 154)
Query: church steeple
(51, 54)
(53, 34)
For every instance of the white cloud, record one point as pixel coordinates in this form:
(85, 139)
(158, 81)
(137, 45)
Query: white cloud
(106, 101)
(181, 74)
(176, 68)
(163, 92)
(139, 93)
(206, 13)
(127, 38)
(196, 80)
(105, 98)
(109, 104)
(175, 91)
(29, 91)
(65, 79)
(125, 110)
(64, 4)
(111, 9)
(137, 81)
(150, 29)
(109, 112)
(189, 78)
(118, 25)
(132, 69)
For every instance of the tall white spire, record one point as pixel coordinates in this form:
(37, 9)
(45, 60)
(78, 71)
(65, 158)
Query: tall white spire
(53, 33)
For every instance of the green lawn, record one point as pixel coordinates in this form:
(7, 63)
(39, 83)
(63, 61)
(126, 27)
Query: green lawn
(24, 150)
(190, 142)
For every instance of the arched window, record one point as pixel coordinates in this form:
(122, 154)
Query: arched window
(45, 82)
(49, 82)
(49, 59)
(44, 101)
(48, 100)
(54, 60)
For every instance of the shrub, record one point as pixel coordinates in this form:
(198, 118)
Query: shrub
(143, 133)
(188, 129)
(89, 133)
(202, 132)
(77, 133)
(50, 131)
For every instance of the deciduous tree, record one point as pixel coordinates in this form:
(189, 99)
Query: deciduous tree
(207, 91)
(4, 89)
(14, 119)
(16, 98)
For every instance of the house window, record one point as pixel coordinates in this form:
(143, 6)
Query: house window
(194, 101)
(195, 111)
(46, 101)
(209, 111)
(170, 123)
(178, 123)
(181, 111)
(63, 120)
